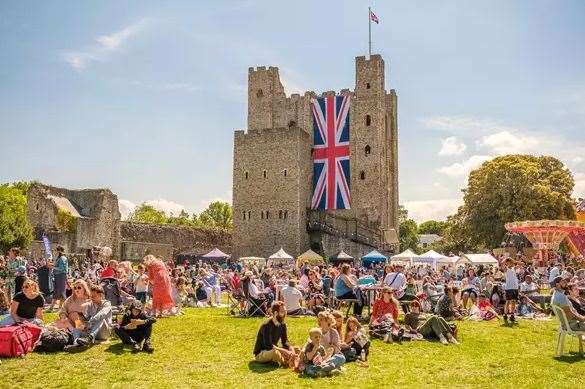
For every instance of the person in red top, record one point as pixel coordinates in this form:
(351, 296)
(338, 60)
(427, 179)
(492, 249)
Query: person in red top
(384, 305)
(110, 270)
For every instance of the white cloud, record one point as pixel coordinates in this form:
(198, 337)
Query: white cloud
(452, 146)
(166, 206)
(126, 208)
(103, 47)
(292, 81)
(460, 169)
(508, 142)
(421, 211)
(579, 191)
(460, 124)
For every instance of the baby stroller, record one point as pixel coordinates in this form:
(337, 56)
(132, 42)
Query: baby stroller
(113, 293)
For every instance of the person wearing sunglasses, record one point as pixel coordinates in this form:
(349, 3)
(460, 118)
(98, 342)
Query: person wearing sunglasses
(26, 306)
(71, 312)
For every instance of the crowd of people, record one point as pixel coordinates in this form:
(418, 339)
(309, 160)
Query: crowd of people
(96, 298)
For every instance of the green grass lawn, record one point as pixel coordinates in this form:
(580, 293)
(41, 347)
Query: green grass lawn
(207, 348)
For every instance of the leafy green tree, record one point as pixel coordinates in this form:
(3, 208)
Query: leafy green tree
(217, 215)
(511, 188)
(408, 235)
(432, 227)
(145, 213)
(183, 219)
(14, 227)
(402, 214)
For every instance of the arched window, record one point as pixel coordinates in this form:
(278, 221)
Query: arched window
(246, 174)
(262, 214)
(249, 214)
(244, 215)
(264, 174)
(284, 172)
(367, 85)
(368, 150)
(280, 214)
(259, 93)
(368, 120)
(362, 175)
(286, 214)
(267, 214)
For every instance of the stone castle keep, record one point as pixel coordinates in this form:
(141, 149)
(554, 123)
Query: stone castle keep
(273, 170)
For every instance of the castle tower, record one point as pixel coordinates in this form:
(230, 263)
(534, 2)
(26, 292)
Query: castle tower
(273, 169)
(374, 153)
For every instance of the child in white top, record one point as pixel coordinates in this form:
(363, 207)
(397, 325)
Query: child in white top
(511, 287)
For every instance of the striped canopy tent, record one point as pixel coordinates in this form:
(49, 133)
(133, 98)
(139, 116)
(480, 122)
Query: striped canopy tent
(216, 255)
(311, 257)
(373, 257)
(280, 258)
(341, 257)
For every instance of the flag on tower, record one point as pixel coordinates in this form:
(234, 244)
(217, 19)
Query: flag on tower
(331, 175)
(374, 18)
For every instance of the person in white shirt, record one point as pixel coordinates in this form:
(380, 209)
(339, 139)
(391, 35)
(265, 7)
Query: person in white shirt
(292, 298)
(396, 280)
(511, 287)
(554, 273)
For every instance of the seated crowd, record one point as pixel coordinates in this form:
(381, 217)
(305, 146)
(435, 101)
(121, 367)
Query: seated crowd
(403, 302)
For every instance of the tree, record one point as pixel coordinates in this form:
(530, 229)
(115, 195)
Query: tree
(402, 214)
(408, 235)
(183, 219)
(145, 213)
(432, 227)
(217, 215)
(14, 227)
(512, 188)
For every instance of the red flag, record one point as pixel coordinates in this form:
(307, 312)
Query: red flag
(374, 18)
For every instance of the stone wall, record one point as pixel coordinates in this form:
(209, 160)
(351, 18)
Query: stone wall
(140, 238)
(272, 180)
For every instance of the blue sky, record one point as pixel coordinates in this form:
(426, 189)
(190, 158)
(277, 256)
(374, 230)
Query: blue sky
(143, 96)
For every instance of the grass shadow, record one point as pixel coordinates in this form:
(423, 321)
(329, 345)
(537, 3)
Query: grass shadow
(572, 357)
(115, 348)
(261, 368)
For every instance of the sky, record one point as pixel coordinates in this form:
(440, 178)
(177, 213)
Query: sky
(142, 97)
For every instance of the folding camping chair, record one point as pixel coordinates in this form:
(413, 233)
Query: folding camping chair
(236, 302)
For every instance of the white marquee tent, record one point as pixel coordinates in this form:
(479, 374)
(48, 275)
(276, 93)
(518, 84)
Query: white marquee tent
(280, 258)
(430, 257)
(478, 259)
(406, 256)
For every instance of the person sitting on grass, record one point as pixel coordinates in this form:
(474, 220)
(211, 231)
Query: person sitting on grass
(135, 328)
(446, 306)
(331, 341)
(313, 355)
(98, 316)
(483, 310)
(26, 306)
(272, 331)
(355, 336)
(429, 326)
(292, 298)
(71, 312)
(384, 317)
(560, 300)
(201, 295)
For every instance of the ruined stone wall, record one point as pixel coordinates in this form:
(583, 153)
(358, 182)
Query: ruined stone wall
(271, 187)
(138, 238)
(97, 226)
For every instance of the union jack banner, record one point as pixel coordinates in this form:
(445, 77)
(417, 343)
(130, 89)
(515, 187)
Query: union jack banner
(331, 175)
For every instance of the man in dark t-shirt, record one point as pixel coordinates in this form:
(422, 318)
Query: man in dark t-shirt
(266, 349)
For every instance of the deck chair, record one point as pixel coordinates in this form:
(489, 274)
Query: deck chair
(565, 329)
(236, 302)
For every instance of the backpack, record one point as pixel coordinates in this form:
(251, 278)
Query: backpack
(53, 340)
(18, 340)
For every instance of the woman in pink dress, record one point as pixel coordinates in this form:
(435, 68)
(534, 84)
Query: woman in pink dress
(158, 276)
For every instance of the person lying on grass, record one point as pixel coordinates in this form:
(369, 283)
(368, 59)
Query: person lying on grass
(266, 348)
(135, 327)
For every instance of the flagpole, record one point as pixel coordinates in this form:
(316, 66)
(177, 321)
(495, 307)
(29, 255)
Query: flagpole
(369, 32)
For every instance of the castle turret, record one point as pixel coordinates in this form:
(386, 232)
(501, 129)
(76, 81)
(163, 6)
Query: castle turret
(266, 99)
